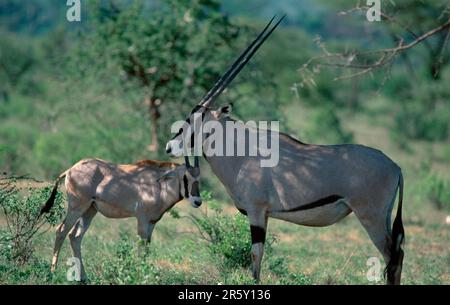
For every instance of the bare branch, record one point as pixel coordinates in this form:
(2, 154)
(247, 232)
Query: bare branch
(385, 57)
(440, 60)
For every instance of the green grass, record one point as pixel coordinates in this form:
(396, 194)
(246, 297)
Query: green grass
(177, 254)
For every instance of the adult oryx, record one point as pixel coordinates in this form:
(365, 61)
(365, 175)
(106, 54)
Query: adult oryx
(312, 185)
(145, 190)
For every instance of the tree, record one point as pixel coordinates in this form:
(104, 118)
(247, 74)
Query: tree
(16, 62)
(172, 53)
(409, 47)
(410, 24)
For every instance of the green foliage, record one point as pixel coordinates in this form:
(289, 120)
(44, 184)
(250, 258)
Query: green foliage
(18, 59)
(126, 267)
(30, 17)
(437, 190)
(170, 56)
(36, 270)
(416, 82)
(21, 205)
(326, 128)
(133, 264)
(105, 91)
(278, 266)
(425, 113)
(295, 279)
(227, 236)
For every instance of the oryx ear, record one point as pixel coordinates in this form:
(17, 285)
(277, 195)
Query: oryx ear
(167, 175)
(222, 111)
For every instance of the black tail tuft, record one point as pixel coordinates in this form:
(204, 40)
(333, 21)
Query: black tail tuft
(51, 200)
(394, 267)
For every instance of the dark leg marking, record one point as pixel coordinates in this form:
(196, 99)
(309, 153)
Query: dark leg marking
(258, 234)
(186, 191)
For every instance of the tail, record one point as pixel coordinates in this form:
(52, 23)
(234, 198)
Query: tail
(51, 200)
(394, 266)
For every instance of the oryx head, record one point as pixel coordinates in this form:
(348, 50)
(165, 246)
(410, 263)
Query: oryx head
(183, 141)
(189, 181)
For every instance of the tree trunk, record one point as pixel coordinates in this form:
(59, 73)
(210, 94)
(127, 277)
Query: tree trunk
(154, 117)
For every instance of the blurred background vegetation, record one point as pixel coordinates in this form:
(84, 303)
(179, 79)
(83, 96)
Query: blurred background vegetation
(111, 85)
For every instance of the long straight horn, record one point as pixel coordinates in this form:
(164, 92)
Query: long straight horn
(243, 59)
(234, 65)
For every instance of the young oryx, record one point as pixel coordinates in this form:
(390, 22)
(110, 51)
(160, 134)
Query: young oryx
(312, 185)
(145, 190)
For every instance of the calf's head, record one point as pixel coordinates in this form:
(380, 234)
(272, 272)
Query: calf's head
(188, 178)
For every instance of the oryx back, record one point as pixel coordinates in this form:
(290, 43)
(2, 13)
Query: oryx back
(116, 190)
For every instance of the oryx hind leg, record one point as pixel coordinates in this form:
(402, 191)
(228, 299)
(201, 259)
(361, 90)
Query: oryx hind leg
(375, 217)
(76, 236)
(74, 212)
(379, 234)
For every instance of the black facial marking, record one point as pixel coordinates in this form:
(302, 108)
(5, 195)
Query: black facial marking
(195, 189)
(258, 234)
(178, 133)
(186, 191)
(315, 204)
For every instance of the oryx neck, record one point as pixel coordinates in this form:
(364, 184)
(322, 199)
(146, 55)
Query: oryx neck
(171, 191)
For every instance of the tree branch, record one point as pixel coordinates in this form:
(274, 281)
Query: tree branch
(386, 56)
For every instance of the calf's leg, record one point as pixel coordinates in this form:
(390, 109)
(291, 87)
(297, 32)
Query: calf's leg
(76, 236)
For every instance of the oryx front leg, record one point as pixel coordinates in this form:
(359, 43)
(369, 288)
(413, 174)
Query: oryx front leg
(145, 230)
(258, 227)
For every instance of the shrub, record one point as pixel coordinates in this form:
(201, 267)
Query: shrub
(21, 204)
(278, 266)
(227, 236)
(425, 115)
(326, 127)
(438, 191)
(132, 264)
(125, 267)
(36, 270)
